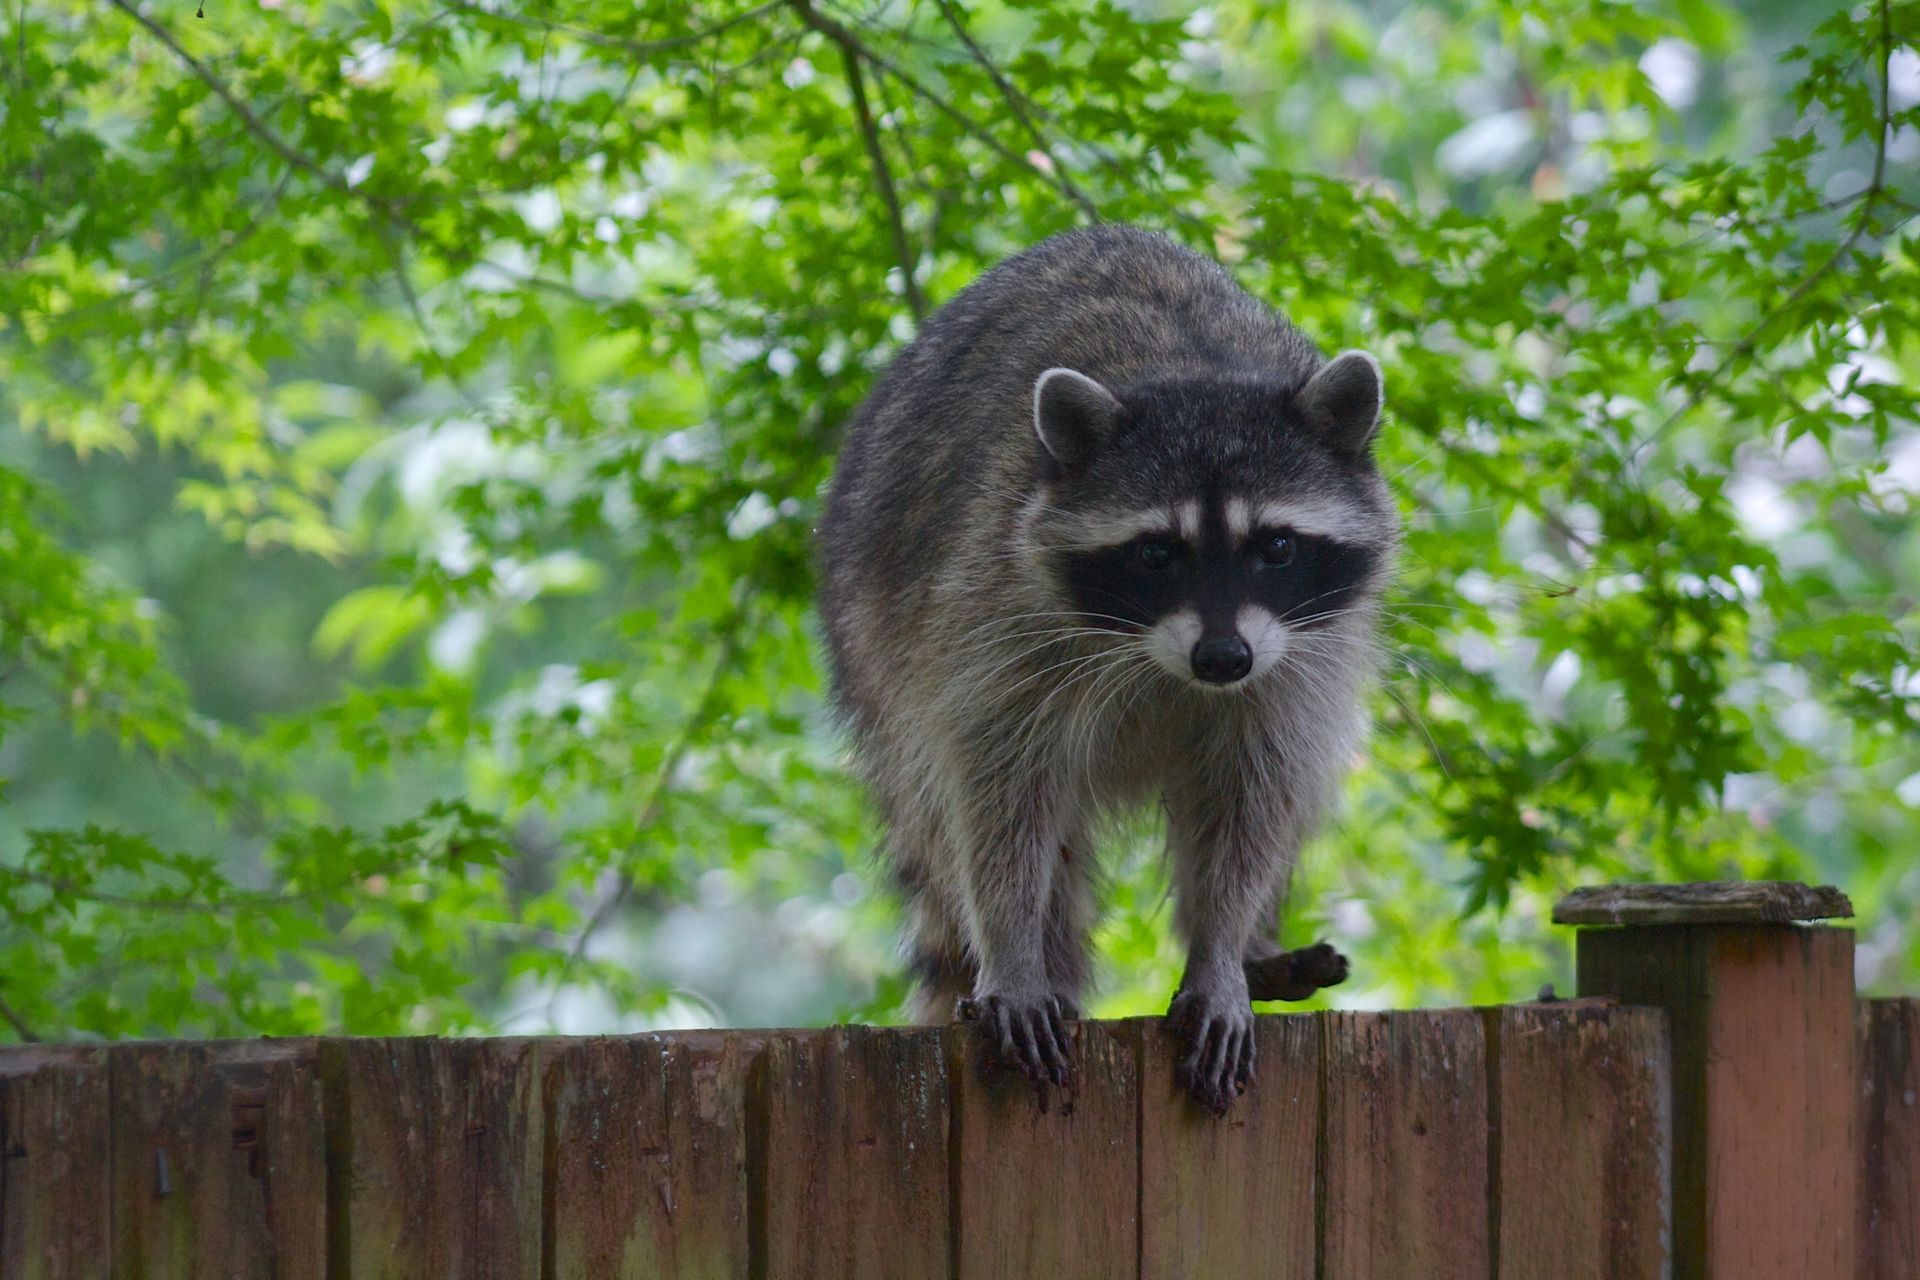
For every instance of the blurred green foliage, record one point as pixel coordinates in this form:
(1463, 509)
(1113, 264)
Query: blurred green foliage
(412, 418)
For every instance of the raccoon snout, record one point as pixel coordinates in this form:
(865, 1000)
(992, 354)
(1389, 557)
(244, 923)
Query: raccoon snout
(1221, 659)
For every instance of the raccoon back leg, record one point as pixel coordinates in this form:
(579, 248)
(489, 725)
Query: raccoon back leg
(943, 968)
(1277, 974)
(1070, 911)
(937, 953)
(1292, 975)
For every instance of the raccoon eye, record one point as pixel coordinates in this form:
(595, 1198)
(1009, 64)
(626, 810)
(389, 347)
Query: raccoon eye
(1277, 551)
(1155, 553)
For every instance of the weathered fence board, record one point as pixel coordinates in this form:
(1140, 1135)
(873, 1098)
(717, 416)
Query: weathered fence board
(435, 1158)
(1889, 1222)
(1519, 1142)
(1047, 1179)
(1763, 1070)
(1762, 1033)
(1581, 1134)
(1405, 1156)
(55, 1170)
(1742, 1117)
(646, 1171)
(219, 1161)
(856, 1158)
(1233, 1196)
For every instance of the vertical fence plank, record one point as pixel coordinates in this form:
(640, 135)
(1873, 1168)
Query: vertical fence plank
(54, 1164)
(1582, 1136)
(891, 1153)
(1047, 1180)
(435, 1158)
(1781, 1089)
(1765, 1171)
(1888, 1235)
(1405, 1156)
(646, 1157)
(856, 1160)
(219, 1161)
(1231, 1195)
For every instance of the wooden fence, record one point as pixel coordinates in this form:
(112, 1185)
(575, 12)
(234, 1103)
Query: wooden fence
(1718, 1106)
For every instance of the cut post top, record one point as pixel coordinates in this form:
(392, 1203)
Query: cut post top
(1708, 902)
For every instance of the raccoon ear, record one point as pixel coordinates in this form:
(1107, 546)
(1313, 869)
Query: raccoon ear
(1343, 400)
(1072, 414)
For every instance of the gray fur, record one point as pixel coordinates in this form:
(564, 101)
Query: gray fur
(996, 722)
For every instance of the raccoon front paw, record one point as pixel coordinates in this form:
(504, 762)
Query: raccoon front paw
(1030, 1036)
(1217, 1036)
(1296, 975)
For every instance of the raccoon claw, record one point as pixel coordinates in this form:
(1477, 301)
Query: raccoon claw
(1218, 1065)
(1030, 1038)
(1295, 975)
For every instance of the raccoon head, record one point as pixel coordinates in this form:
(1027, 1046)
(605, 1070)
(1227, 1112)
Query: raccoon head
(1223, 520)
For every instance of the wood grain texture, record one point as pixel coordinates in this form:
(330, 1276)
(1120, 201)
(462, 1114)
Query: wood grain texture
(1780, 1083)
(1581, 1137)
(1764, 1164)
(55, 1166)
(1888, 1230)
(434, 1158)
(219, 1161)
(1046, 1180)
(1231, 1195)
(856, 1156)
(646, 1157)
(1707, 902)
(1405, 1153)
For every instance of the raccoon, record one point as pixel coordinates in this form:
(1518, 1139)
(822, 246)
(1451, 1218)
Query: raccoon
(1107, 531)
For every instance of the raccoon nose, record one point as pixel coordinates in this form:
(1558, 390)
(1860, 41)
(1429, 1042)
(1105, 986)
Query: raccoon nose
(1222, 659)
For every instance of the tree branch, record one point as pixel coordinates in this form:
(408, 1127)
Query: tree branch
(1869, 197)
(883, 178)
(1016, 103)
(202, 262)
(255, 125)
(259, 128)
(1103, 156)
(19, 1024)
(238, 900)
(639, 48)
(703, 715)
(419, 314)
(846, 38)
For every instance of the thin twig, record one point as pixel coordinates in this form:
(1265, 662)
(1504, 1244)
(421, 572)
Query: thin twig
(19, 1024)
(255, 125)
(1016, 103)
(845, 37)
(883, 179)
(703, 714)
(248, 811)
(1869, 197)
(638, 48)
(202, 263)
(1102, 155)
(238, 901)
(412, 299)
(389, 209)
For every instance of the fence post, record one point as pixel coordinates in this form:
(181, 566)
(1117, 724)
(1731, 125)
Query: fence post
(1762, 1011)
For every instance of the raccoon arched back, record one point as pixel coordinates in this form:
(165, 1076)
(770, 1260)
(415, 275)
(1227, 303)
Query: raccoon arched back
(1096, 470)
